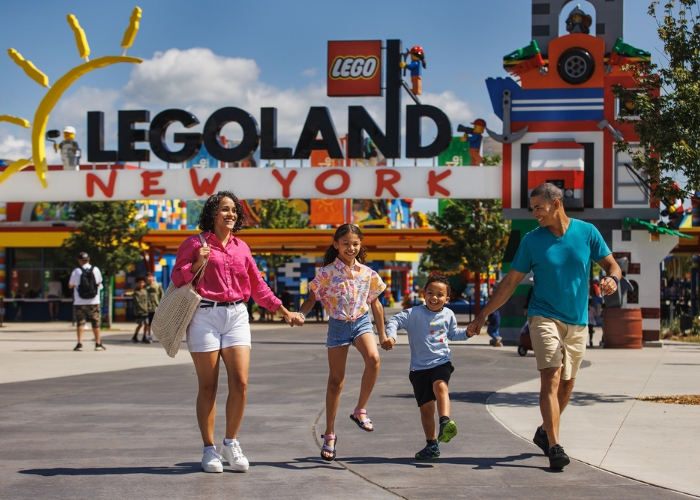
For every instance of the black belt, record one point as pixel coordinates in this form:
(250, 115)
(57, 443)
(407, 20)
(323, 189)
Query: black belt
(206, 303)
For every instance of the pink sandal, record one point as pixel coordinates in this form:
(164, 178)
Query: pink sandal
(362, 424)
(328, 449)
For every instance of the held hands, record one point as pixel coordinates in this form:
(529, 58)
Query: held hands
(388, 343)
(474, 327)
(298, 319)
(608, 286)
(294, 319)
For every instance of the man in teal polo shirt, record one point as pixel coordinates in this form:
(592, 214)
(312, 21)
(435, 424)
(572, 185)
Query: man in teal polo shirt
(559, 253)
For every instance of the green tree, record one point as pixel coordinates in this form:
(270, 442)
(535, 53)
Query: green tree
(475, 238)
(279, 214)
(110, 234)
(492, 160)
(667, 100)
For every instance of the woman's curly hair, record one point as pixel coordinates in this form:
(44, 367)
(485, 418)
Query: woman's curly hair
(211, 208)
(332, 252)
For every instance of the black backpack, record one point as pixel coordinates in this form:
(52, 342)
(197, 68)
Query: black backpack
(87, 289)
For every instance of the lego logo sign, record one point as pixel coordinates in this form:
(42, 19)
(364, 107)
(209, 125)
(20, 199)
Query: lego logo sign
(354, 68)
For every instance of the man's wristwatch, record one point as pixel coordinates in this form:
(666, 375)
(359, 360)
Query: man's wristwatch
(617, 281)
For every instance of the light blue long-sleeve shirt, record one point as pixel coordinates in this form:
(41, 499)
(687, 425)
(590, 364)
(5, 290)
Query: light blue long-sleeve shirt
(428, 333)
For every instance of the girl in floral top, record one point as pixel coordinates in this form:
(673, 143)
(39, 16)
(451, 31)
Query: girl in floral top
(348, 289)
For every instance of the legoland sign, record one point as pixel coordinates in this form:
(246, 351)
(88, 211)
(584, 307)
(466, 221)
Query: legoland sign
(354, 69)
(256, 183)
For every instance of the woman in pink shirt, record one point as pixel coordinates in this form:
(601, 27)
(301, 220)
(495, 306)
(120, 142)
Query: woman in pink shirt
(220, 325)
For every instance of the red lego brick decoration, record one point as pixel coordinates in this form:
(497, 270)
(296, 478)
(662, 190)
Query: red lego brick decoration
(354, 68)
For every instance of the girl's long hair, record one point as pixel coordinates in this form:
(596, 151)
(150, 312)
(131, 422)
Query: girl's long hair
(211, 207)
(332, 252)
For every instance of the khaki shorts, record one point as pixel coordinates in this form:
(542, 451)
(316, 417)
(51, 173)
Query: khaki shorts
(558, 344)
(89, 312)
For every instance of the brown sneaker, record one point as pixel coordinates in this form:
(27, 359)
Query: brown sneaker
(497, 343)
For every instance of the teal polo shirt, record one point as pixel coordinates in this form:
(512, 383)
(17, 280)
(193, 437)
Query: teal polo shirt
(561, 267)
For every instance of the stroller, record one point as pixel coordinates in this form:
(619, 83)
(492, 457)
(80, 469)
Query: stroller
(525, 342)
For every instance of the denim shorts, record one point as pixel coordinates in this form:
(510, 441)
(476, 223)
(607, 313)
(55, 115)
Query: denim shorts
(341, 332)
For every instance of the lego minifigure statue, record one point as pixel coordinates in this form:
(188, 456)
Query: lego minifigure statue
(417, 60)
(70, 151)
(369, 152)
(473, 136)
(578, 21)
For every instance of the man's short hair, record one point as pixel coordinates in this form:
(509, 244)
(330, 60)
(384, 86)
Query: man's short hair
(547, 191)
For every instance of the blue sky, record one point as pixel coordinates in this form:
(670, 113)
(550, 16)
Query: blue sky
(205, 55)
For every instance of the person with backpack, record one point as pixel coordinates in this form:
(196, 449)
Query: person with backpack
(86, 282)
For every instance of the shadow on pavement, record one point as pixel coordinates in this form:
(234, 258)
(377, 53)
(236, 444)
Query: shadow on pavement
(177, 469)
(478, 463)
(533, 399)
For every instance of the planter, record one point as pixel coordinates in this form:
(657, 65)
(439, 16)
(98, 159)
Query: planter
(622, 328)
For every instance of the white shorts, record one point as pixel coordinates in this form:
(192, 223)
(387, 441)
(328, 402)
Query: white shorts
(215, 328)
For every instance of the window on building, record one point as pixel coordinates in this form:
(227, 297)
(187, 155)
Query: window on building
(626, 108)
(31, 270)
(629, 185)
(633, 295)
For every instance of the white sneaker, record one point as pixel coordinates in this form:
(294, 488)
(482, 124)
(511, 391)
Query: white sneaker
(211, 462)
(233, 454)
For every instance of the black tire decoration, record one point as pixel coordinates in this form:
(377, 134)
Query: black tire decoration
(575, 66)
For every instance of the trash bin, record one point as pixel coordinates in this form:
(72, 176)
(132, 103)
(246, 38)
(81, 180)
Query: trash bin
(686, 322)
(622, 328)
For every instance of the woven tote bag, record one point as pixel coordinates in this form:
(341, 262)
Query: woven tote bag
(175, 311)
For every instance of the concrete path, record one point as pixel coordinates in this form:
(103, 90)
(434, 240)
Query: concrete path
(121, 423)
(606, 426)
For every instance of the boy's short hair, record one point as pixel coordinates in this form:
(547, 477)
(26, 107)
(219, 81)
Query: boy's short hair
(439, 278)
(140, 278)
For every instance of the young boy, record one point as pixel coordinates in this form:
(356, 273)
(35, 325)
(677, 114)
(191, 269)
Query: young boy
(429, 327)
(141, 310)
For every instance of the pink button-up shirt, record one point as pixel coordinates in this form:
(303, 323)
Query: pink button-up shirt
(231, 273)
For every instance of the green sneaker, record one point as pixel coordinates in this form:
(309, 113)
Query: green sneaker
(430, 452)
(448, 430)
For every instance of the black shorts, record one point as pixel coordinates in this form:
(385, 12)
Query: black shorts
(150, 317)
(422, 381)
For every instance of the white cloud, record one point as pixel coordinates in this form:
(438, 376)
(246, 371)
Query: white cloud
(73, 110)
(457, 111)
(13, 148)
(311, 72)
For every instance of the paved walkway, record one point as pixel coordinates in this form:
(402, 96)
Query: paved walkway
(121, 423)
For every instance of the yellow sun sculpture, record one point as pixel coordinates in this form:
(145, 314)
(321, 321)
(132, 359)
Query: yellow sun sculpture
(41, 117)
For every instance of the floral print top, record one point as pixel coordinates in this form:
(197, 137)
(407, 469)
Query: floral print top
(346, 292)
